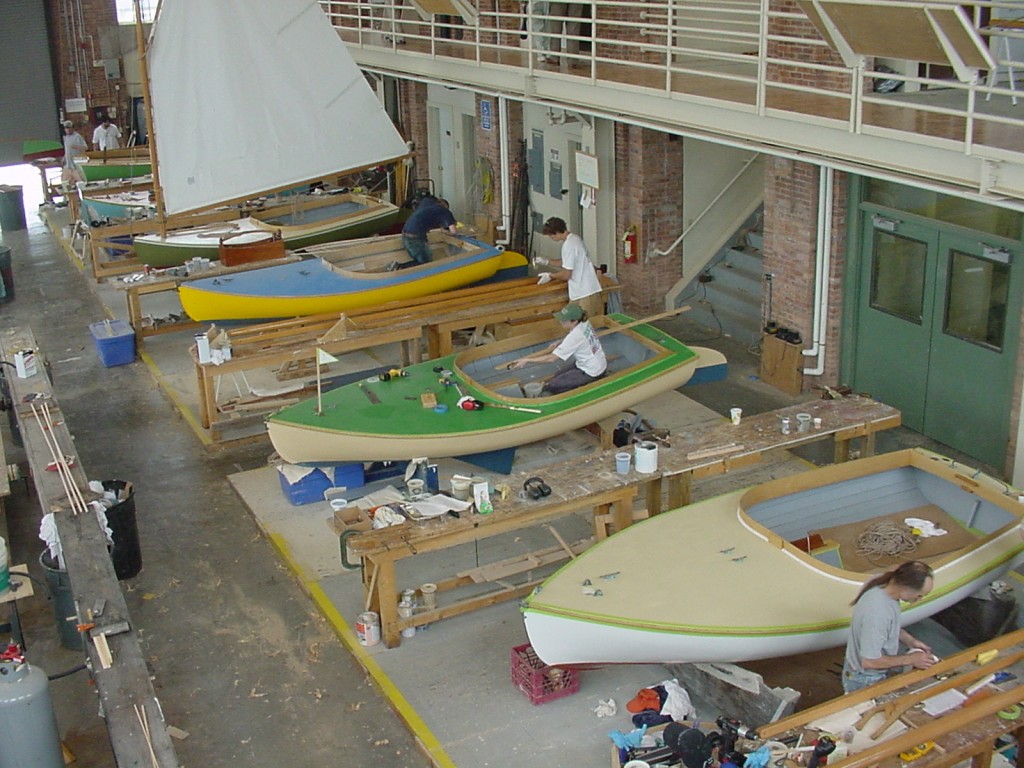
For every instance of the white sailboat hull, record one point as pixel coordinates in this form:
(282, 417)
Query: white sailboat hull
(721, 580)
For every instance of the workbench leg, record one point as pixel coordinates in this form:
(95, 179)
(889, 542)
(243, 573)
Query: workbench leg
(868, 445)
(679, 490)
(135, 313)
(842, 450)
(654, 497)
(206, 396)
(387, 603)
(433, 343)
(622, 510)
(983, 759)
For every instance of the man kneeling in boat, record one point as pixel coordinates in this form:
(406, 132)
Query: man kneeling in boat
(580, 348)
(872, 652)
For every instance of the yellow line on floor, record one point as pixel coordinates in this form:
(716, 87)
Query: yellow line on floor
(182, 407)
(399, 703)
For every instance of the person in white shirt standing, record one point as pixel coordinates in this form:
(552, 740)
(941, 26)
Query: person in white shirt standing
(576, 268)
(106, 136)
(74, 146)
(580, 348)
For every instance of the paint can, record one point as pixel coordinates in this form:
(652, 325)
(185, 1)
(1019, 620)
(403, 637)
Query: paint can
(368, 628)
(803, 422)
(5, 568)
(460, 487)
(405, 611)
(646, 457)
(533, 388)
(408, 596)
(429, 591)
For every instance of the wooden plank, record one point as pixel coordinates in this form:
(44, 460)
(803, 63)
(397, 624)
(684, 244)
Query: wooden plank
(90, 569)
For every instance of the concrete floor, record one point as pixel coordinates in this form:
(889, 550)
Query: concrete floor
(243, 657)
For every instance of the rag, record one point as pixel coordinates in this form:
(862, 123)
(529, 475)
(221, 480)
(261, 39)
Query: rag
(629, 740)
(540, 261)
(543, 277)
(926, 528)
(758, 758)
(605, 708)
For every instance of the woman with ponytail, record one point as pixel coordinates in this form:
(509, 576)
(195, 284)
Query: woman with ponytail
(872, 652)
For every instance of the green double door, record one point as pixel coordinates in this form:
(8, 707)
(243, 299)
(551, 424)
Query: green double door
(936, 332)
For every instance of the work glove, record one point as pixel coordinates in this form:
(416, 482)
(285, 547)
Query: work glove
(543, 277)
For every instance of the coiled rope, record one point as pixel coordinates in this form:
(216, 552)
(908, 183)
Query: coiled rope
(886, 539)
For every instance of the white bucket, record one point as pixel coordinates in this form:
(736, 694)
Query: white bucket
(5, 568)
(533, 388)
(646, 457)
(368, 628)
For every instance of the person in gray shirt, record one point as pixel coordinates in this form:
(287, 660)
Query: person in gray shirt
(872, 651)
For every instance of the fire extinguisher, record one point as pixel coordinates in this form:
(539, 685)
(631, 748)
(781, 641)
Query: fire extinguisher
(629, 245)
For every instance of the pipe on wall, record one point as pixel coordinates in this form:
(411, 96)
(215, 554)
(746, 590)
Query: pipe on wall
(822, 268)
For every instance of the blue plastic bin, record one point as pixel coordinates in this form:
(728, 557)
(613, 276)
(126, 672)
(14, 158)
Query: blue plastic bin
(310, 489)
(115, 342)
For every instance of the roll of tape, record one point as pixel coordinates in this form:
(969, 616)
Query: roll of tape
(1010, 713)
(440, 408)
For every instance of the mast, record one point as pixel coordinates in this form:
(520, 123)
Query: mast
(147, 100)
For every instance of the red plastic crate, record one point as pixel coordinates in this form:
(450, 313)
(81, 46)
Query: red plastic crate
(537, 680)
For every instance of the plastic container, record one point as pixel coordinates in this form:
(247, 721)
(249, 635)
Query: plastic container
(126, 553)
(6, 275)
(63, 603)
(115, 342)
(533, 388)
(537, 680)
(313, 487)
(12, 208)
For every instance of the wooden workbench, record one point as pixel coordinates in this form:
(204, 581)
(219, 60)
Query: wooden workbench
(966, 732)
(382, 549)
(590, 483)
(126, 684)
(713, 449)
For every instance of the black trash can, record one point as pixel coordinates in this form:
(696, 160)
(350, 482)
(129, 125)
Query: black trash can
(126, 552)
(6, 275)
(63, 603)
(12, 208)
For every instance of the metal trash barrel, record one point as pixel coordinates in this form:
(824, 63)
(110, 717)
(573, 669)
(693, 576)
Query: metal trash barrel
(12, 208)
(126, 552)
(63, 603)
(6, 275)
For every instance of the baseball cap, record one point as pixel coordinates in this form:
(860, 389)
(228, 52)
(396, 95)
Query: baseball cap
(569, 312)
(68, 124)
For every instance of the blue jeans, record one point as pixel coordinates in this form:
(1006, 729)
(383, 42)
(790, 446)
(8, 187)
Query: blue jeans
(417, 248)
(854, 681)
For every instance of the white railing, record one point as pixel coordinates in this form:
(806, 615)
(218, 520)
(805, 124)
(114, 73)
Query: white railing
(740, 53)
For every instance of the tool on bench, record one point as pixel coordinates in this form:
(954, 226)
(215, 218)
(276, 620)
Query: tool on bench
(371, 396)
(394, 373)
(536, 488)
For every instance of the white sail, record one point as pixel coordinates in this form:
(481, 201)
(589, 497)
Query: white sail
(254, 95)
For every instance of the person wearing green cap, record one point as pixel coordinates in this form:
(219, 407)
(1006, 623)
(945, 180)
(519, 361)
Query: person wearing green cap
(581, 350)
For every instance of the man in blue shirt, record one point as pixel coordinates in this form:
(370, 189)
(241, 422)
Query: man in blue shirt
(431, 213)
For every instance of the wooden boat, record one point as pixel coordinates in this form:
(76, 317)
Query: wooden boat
(386, 420)
(323, 128)
(126, 163)
(312, 219)
(728, 580)
(126, 204)
(343, 276)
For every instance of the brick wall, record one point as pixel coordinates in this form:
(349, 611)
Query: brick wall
(649, 168)
(95, 37)
(790, 239)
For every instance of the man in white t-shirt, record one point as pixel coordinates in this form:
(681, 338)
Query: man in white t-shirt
(576, 268)
(106, 136)
(580, 348)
